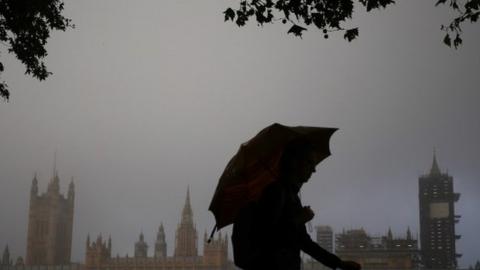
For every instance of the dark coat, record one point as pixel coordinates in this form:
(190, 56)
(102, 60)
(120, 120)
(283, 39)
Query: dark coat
(279, 235)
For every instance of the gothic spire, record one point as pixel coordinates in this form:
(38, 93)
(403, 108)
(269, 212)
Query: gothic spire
(409, 234)
(161, 233)
(160, 244)
(186, 235)
(54, 184)
(435, 170)
(187, 214)
(55, 163)
(141, 248)
(6, 256)
(34, 189)
(109, 244)
(71, 189)
(389, 234)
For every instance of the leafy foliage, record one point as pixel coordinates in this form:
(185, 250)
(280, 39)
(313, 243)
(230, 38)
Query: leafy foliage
(25, 26)
(467, 11)
(326, 15)
(329, 15)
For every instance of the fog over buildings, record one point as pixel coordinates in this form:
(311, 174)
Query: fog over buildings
(148, 98)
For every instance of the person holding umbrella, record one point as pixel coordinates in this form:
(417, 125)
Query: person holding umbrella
(259, 193)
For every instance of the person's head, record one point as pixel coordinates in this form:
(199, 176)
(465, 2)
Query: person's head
(297, 163)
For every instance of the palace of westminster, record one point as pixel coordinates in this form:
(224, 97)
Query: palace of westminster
(51, 215)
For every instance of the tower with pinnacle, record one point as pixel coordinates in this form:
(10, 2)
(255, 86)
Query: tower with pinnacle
(160, 244)
(98, 255)
(50, 224)
(186, 234)
(98, 252)
(215, 252)
(5, 258)
(437, 219)
(141, 248)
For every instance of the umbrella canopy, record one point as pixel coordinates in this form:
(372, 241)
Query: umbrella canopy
(256, 165)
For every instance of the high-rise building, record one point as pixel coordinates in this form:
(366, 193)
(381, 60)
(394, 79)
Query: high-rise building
(437, 219)
(50, 224)
(325, 237)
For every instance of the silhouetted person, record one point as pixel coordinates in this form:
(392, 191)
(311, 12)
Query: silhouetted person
(276, 222)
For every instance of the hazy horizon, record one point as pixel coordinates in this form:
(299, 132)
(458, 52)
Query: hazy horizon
(150, 97)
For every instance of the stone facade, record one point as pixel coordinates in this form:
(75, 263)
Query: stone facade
(50, 224)
(98, 254)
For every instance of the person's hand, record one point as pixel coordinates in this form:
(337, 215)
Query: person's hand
(349, 265)
(305, 215)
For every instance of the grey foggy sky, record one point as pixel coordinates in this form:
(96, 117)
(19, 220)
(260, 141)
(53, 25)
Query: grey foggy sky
(148, 97)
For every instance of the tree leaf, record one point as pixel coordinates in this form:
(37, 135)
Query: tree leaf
(474, 17)
(296, 30)
(351, 34)
(447, 40)
(455, 5)
(229, 14)
(457, 41)
(4, 93)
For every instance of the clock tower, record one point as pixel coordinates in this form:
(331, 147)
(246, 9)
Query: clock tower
(437, 219)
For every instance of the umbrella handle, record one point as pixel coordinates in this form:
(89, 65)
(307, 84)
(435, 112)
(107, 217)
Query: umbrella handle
(212, 233)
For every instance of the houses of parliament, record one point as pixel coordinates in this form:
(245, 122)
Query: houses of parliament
(51, 215)
(215, 254)
(49, 240)
(50, 223)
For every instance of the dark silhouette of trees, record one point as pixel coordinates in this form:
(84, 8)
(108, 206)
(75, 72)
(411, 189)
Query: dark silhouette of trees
(25, 26)
(329, 15)
(467, 11)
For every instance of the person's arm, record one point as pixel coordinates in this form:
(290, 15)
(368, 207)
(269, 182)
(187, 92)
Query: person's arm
(318, 253)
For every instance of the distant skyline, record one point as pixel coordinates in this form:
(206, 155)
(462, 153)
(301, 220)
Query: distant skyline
(150, 242)
(150, 97)
(201, 234)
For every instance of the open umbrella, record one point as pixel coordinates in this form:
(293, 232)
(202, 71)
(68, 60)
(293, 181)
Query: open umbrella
(256, 165)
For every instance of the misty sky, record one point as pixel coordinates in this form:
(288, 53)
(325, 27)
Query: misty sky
(148, 97)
